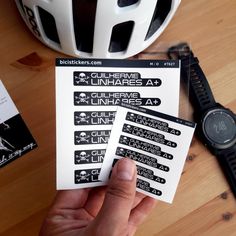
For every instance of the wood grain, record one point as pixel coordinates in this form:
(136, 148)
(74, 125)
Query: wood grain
(203, 204)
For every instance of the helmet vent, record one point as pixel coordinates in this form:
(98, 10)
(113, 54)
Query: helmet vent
(121, 36)
(162, 10)
(49, 25)
(125, 3)
(84, 12)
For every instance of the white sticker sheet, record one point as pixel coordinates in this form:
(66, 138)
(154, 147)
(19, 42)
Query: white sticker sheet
(158, 143)
(87, 94)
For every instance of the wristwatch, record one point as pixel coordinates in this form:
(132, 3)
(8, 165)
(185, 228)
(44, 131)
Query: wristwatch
(216, 125)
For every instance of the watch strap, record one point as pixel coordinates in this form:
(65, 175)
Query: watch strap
(202, 98)
(227, 161)
(199, 90)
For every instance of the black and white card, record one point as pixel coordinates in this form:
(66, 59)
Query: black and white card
(157, 142)
(87, 94)
(15, 138)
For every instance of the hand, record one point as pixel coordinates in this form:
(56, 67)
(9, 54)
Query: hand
(113, 211)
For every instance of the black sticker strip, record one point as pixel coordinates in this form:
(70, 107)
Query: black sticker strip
(91, 137)
(144, 146)
(160, 115)
(141, 158)
(89, 156)
(149, 174)
(85, 78)
(112, 99)
(152, 123)
(94, 117)
(147, 134)
(86, 176)
(144, 185)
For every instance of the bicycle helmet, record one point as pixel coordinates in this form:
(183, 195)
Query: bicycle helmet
(97, 28)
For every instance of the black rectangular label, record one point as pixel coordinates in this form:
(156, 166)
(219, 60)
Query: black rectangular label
(94, 117)
(147, 134)
(149, 174)
(152, 123)
(89, 156)
(141, 158)
(112, 99)
(144, 185)
(91, 137)
(144, 146)
(130, 79)
(87, 176)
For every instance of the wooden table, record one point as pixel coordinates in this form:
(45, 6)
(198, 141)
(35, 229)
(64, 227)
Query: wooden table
(203, 204)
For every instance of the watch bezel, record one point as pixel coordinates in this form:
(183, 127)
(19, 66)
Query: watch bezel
(209, 140)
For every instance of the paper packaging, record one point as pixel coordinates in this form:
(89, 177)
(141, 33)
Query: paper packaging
(87, 94)
(15, 138)
(157, 142)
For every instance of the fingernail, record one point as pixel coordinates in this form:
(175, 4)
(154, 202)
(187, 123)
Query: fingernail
(125, 169)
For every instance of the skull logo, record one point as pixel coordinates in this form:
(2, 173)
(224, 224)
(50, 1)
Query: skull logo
(120, 152)
(82, 138)
(81, 78)
(82, 157)
(82, 118)
(82, 176)
(82, 98)
(132, 117)
(127, 128)
(124, 140)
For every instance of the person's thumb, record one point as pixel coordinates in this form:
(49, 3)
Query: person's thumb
(114, 214)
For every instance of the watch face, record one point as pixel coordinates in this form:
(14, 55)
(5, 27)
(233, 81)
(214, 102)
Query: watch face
(219, 128)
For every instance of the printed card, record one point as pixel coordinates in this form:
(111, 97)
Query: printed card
(87, 95)
(15, 138)
(158, 143)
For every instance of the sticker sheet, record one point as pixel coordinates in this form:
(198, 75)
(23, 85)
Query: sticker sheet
(158, 143)
(87, 94)
(15, 138)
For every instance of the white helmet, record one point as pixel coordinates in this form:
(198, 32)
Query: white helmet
(97, 28)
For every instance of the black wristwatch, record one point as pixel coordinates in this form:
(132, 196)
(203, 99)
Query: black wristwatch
(216, 125)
